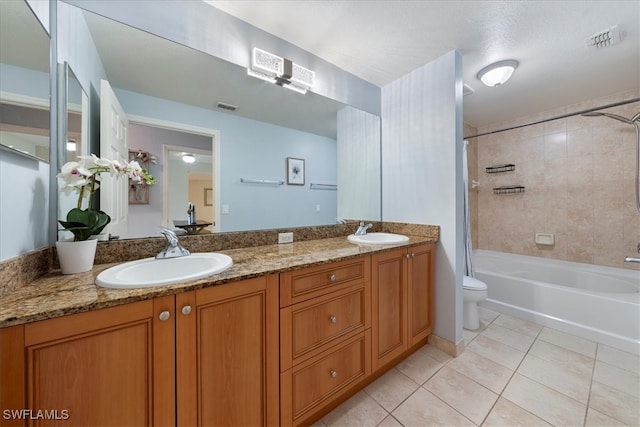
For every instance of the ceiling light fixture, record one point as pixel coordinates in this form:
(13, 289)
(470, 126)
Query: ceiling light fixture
(280, 71)
(188, 158)
(497, 73)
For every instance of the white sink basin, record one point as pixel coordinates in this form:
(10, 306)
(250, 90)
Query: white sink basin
(157, 272)
(378, 238)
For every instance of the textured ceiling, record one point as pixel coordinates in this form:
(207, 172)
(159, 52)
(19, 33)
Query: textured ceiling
(380, 41)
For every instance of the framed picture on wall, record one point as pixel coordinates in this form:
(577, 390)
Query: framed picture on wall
(295, 171)
(208, 197)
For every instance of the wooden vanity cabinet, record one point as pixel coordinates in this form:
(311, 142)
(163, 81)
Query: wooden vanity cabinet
(204, 357)
(272, 350)
(402, 302)
(325, 336)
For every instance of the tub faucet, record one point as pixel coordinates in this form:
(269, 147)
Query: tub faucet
(173, 249)
(633, 259)
(362, 229)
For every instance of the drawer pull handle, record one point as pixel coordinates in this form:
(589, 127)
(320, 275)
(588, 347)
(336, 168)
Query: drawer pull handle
(333, 373)
(165, 315)
(186, 310)
(333, 319)
(333, 277)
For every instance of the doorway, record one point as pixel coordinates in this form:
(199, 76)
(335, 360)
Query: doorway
(166, 141)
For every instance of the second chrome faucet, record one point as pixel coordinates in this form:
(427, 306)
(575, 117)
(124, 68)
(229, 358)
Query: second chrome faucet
(362, 229)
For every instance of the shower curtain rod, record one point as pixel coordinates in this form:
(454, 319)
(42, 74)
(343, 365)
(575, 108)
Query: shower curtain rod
(564, 116)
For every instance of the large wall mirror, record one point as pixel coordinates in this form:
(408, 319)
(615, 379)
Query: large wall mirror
(179, 101)
(24, 82)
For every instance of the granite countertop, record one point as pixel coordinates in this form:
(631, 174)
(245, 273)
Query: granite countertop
(55, 294)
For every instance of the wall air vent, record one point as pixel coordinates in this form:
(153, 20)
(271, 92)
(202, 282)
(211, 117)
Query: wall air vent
(227, 107)
(604, 38)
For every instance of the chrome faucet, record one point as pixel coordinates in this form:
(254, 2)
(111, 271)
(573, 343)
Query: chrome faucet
(362, 229)
(191, 213)
(173, 249)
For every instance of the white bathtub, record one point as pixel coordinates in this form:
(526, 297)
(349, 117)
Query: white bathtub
(598, 303)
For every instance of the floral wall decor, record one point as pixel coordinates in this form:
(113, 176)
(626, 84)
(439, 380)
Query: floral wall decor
(139, 190)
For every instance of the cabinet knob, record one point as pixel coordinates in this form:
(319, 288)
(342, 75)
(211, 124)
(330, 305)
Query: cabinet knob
(413, 255)
(407, 256)
(333, 319)
(333, 277)
(165, 315)
(186, 310)
(333, 373)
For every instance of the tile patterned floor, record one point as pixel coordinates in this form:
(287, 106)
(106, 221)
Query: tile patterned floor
(512, 372)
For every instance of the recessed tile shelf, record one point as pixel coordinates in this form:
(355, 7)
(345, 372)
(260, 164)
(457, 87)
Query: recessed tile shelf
(500, 168)
(512, 189)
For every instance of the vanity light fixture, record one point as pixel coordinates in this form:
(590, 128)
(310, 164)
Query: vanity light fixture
(188, 158)
(497, 73)
(280, 71)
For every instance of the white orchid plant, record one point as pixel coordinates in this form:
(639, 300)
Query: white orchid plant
(83, 177)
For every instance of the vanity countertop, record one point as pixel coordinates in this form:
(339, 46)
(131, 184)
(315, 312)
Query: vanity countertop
(55, 294)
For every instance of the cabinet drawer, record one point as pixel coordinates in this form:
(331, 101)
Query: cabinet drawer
(314, 383)
(313, 324)
(310, 282)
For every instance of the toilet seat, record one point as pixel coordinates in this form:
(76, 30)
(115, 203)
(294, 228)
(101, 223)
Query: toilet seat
(473, 284)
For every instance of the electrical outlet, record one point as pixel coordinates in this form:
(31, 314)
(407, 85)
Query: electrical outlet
(285, 237)
(225, 209)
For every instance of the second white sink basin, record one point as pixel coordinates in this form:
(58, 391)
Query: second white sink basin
(157, 272)
(378, 238)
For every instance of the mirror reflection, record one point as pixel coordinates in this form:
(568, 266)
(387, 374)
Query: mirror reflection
(191, 210)
(24, 82)
(76, 141)
(73, 133)
(174, 93)
(162, 154)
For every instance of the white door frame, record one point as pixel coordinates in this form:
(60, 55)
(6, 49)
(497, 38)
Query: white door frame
(214, 134)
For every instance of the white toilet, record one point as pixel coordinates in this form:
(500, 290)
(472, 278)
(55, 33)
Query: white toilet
(473, 290)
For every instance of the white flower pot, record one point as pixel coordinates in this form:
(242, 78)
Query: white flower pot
(76, 257)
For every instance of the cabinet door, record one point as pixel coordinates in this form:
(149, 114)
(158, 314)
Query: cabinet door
(420, 283)
(227, 354)
(389, 302)
(106, 367)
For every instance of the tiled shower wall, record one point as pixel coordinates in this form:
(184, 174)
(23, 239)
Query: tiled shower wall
(578, 174)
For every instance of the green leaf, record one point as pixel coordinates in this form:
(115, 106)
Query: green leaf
(85, 223)
(103, 221)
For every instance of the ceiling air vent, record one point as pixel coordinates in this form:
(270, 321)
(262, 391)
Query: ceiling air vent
(604, 38)
(227, 107)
